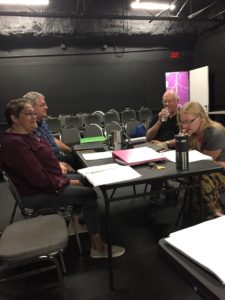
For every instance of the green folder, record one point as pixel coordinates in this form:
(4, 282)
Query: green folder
(93, 139)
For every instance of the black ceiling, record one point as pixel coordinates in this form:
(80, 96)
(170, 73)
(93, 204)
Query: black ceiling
(93, 20)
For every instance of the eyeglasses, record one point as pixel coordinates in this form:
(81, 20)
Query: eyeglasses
(167, 101)
(188, 122)
(29, 114)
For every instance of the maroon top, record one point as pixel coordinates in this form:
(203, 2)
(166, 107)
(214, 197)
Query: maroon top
(31, 164)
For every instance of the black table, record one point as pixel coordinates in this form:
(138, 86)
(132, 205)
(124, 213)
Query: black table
(148, 175)
(203, 282)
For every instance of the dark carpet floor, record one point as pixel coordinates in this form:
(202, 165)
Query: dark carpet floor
(140, 274)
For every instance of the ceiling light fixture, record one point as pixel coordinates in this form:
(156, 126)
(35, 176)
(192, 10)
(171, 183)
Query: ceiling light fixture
(152, 5)
(25, 2)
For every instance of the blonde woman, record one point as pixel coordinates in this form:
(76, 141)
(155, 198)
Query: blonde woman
(208, 137)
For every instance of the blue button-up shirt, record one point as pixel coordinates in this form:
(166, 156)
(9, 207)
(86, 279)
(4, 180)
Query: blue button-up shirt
(44, 131)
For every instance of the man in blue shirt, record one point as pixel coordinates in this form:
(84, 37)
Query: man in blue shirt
(62, 152)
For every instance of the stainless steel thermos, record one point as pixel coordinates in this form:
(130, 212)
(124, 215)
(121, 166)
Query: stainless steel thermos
(182, 161)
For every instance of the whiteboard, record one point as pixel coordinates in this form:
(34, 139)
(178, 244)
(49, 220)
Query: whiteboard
(199, 86)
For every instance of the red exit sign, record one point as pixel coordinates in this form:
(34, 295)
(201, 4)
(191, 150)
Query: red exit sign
(175, 54)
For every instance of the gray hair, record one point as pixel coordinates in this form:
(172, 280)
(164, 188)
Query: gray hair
(32, 97)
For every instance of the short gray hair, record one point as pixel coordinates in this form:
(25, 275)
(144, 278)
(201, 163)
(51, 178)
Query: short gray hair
(32, 97)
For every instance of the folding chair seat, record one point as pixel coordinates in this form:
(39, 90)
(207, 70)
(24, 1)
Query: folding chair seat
(30, 213)
(25, 242)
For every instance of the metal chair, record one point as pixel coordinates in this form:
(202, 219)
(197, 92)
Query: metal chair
(93, 119)
(70, 136)
(110, 116)
(92, 130)
(112, 126)
(100, 114)
(54, 124)
(26, 242)
(144, 113)
(29, 213)
(62, 119)
(130, 127)
(128, 114)
(75, 121)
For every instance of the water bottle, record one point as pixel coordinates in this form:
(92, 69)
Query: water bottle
(117, 139)
(165, 117)
(182, 161)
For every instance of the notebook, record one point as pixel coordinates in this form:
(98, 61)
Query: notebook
(137, 156)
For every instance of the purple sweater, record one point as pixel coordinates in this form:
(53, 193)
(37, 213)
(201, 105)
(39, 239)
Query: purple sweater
(31, 164)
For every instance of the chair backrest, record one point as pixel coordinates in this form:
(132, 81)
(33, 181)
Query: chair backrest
(62, 119)
(112, 126)
(54, 124)
(92, 130)
(110, 116)
(18, 201)
(70, 136)
(93, 119)
(128, 114)
(100, 114)
(74, 121)
(144, 113)
(134, 128)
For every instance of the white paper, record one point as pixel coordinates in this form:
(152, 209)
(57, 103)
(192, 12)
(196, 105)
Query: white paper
(204, 244)
(193, 155)
(97, 155)
(109, 173)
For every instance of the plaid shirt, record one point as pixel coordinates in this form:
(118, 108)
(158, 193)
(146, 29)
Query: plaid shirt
(43, 131)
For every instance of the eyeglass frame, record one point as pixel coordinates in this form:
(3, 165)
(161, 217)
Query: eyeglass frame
(188, 122)
(30, 114)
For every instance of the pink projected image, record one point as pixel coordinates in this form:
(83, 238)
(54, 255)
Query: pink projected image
(179, 81)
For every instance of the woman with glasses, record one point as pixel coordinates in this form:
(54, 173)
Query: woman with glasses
(35, 171)
(208, 137)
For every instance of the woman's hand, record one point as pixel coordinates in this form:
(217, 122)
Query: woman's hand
(221, 163)
(65, 167)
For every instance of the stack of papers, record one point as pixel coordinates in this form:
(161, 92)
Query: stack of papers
(204, 244)
(108, 174)
(193, 155)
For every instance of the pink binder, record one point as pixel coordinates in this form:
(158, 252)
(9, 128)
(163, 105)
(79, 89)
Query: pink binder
(137, 156)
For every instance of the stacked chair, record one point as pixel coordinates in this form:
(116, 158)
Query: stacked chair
(127, 115)
(112, 115)
(70, 136)
(92, 130)
(144, 113)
